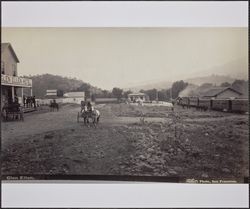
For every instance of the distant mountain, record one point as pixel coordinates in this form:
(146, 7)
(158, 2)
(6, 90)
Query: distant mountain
(214, 79)
(149, 85)
(237, 69)
(226, 72)
(40, 83)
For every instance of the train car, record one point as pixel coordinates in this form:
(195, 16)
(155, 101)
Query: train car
(193, 101)
(221, 104)
(240, 105)
(184, 101)
(204, 103)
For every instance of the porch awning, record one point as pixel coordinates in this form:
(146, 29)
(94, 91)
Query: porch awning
(8, 80)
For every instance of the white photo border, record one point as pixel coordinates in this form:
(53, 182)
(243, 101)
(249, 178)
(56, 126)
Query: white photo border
(86, 194)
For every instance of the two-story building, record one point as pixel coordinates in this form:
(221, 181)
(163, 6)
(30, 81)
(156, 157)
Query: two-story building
(10, 81)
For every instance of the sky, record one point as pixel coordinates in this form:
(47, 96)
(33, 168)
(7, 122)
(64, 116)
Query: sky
(123, 57)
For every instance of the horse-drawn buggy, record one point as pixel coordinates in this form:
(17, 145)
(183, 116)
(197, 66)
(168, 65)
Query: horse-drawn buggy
(87, 113)
(12, 112)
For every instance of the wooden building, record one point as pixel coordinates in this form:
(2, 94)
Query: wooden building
(51, 94)
(74, 97)
(133, 97)
(221, 93)
(10, 81)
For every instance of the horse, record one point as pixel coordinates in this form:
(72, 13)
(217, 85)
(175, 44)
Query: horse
(84, 113)
(54, 106)
(93, 114)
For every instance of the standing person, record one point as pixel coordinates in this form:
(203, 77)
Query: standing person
(24, 100)
(30, 101)
(16, 105)
(34, 101)
(83, 105)
(89, 107)
(27, 101)
(10, 101)
(15, 100)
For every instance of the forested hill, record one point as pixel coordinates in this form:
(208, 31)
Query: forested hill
(63, 84)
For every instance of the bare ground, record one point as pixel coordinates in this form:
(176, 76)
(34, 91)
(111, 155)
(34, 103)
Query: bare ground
(130, 140)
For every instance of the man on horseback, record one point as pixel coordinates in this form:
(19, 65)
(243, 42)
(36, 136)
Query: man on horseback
(53, 105)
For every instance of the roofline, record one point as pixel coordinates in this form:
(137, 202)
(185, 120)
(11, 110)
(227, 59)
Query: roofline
(12, 51)
(137, 94)
(227, 89)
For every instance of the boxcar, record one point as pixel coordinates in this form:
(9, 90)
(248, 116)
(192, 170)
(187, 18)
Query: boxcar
(184, 101)
(221, 104)
(193, 101)
(240, 105)
(205, 103)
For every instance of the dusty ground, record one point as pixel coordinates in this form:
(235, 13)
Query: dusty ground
(130, 140)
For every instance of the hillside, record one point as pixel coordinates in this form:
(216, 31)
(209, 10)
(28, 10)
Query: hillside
(214, 79)
(63, 84)
(237, 69)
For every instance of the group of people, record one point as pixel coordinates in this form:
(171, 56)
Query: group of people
(53, 101)
(11, 105)
(86, 107)
(29, 101)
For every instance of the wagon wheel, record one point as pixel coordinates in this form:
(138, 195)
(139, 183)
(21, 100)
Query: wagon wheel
(78, 117)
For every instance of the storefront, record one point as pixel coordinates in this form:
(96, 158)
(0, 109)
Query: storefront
(13, 86)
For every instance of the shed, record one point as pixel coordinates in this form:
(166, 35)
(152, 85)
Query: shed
(77, 94)
(221, 92)
(138, 96)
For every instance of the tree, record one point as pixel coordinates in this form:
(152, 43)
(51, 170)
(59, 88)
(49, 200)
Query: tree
(152, 93)
(241, 86)
(93, 97)
(60, 93)
(117, 92)
(126, 93)
(86, 88)
(87, 93)
(162, 95)
(177, 87)
(225, 84)
(206, 85)
(168, 94)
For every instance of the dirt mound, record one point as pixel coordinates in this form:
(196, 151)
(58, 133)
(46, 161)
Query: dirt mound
(127, 110)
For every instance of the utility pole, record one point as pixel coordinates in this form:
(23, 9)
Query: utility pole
(171, 94)
(157, 95)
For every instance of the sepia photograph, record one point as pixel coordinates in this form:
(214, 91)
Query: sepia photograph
(152, 104)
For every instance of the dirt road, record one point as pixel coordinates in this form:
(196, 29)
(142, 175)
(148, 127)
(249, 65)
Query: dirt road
(129, 140)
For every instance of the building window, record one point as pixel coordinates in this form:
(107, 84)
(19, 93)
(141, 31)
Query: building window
(2, 68)
(14, 70)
